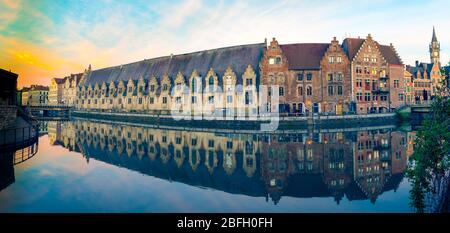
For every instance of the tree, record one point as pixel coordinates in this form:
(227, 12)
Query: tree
(430, 159)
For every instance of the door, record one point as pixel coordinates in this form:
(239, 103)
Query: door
(339, 109)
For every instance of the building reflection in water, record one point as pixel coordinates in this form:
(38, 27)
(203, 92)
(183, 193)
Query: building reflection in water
(359, 165)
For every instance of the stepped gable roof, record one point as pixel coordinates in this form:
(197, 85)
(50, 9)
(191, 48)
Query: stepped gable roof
(304, 56)
(351, 46)
(238, 57)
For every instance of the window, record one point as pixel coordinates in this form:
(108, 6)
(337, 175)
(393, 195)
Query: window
(330, 59)
(330, 77)
(141, 88)
(165, 87)
(330, 90)
(340, 90)
(194, 99)
(383, 98)
(211, 81)
(248, 99)
(103, 101)
(309, 77)
(281, 91)
(338, 59)
(366, 58)
(111, 101)
(211, 99)
(359, 70)
(358, 82)
(374, 71)
(95, 101)
(249, 82)
(300, 90)
(211, 143)
(367, 84)
(271, 61)
(193, 85)
(229, 99)
(120, 101)
(152, 88)
(152, 100)
(278, 60)
(140, 100)
(308, 90)
(366, 97)
(164, 100)
(299, 77)
(359, 96)
(400, 97)
(229, 145)
(130, 89)
(396, 83)
(178, 99)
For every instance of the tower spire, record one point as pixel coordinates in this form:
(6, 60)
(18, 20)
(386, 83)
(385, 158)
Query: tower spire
(434, 39)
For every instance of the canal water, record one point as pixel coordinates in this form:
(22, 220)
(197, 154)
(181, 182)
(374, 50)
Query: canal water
(86, 166)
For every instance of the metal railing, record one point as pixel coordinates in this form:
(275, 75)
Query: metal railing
(26, 153)
(15, 138)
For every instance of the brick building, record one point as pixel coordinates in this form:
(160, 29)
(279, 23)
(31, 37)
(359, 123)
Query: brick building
(358, 76)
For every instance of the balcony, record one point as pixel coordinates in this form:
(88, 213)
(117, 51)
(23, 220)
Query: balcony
(381, 90)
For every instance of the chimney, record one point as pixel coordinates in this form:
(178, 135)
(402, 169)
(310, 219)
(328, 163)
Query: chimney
(417, 63)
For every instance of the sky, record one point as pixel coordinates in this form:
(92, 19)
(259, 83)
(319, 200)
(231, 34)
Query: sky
(43, 39)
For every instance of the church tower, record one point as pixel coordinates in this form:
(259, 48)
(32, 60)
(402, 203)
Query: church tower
(435, 50)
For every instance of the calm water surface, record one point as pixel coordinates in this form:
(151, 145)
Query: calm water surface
(85, 166)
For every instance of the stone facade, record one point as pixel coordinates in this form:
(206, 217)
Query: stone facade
(56, 90)
(35, 95)
(8, 115)
(359, 75)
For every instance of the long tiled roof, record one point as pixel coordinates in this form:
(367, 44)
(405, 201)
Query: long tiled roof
(238, 57)
(304, 56)
(390, 55)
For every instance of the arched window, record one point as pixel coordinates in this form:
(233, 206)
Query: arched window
(308, 90)
(193, 85)
(300, 90)
(211, 81)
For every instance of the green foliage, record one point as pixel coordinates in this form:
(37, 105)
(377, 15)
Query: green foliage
(431, 157)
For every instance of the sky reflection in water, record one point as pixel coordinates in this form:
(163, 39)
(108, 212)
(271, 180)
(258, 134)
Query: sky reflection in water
(300, 173)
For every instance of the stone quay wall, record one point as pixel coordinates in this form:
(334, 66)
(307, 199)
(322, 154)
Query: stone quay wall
(8, 114)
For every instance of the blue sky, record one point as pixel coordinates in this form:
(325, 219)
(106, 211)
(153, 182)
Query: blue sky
(52, 38)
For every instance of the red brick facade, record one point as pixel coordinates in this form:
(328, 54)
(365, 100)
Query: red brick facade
(359, 76)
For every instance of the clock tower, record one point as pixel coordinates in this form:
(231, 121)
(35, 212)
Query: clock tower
(435, 50)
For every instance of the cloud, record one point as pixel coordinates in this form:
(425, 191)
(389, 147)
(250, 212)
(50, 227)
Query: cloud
(107, 33)
(8, 12)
